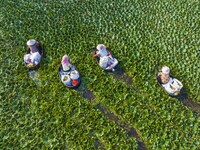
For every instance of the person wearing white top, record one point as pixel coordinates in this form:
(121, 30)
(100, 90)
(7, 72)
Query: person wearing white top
(171, 85)
(34, 56)
(106, 61)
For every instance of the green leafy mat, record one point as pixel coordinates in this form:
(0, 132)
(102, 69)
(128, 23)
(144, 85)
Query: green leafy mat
(41, 113)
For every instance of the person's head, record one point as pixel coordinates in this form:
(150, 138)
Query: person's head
(100, 47)
(31, 42)
(165, 70)
(65, 63)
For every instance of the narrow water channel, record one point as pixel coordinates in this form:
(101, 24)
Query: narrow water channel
(132, 132)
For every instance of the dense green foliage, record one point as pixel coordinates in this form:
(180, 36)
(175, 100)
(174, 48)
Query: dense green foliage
(45, 114)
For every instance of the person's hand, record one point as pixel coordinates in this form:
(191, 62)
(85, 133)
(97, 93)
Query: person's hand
(95, 55)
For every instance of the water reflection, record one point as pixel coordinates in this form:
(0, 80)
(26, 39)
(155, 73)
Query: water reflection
(34, 75)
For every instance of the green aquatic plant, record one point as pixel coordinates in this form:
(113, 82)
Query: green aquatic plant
(38, 112)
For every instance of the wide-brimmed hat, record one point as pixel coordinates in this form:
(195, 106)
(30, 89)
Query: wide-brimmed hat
(100, 47)
(31, 42)
(165, 70)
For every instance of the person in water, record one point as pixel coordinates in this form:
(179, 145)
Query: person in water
(106, 61)
(171, 85)
(69, 74)
(34, 57)
(164, 75)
